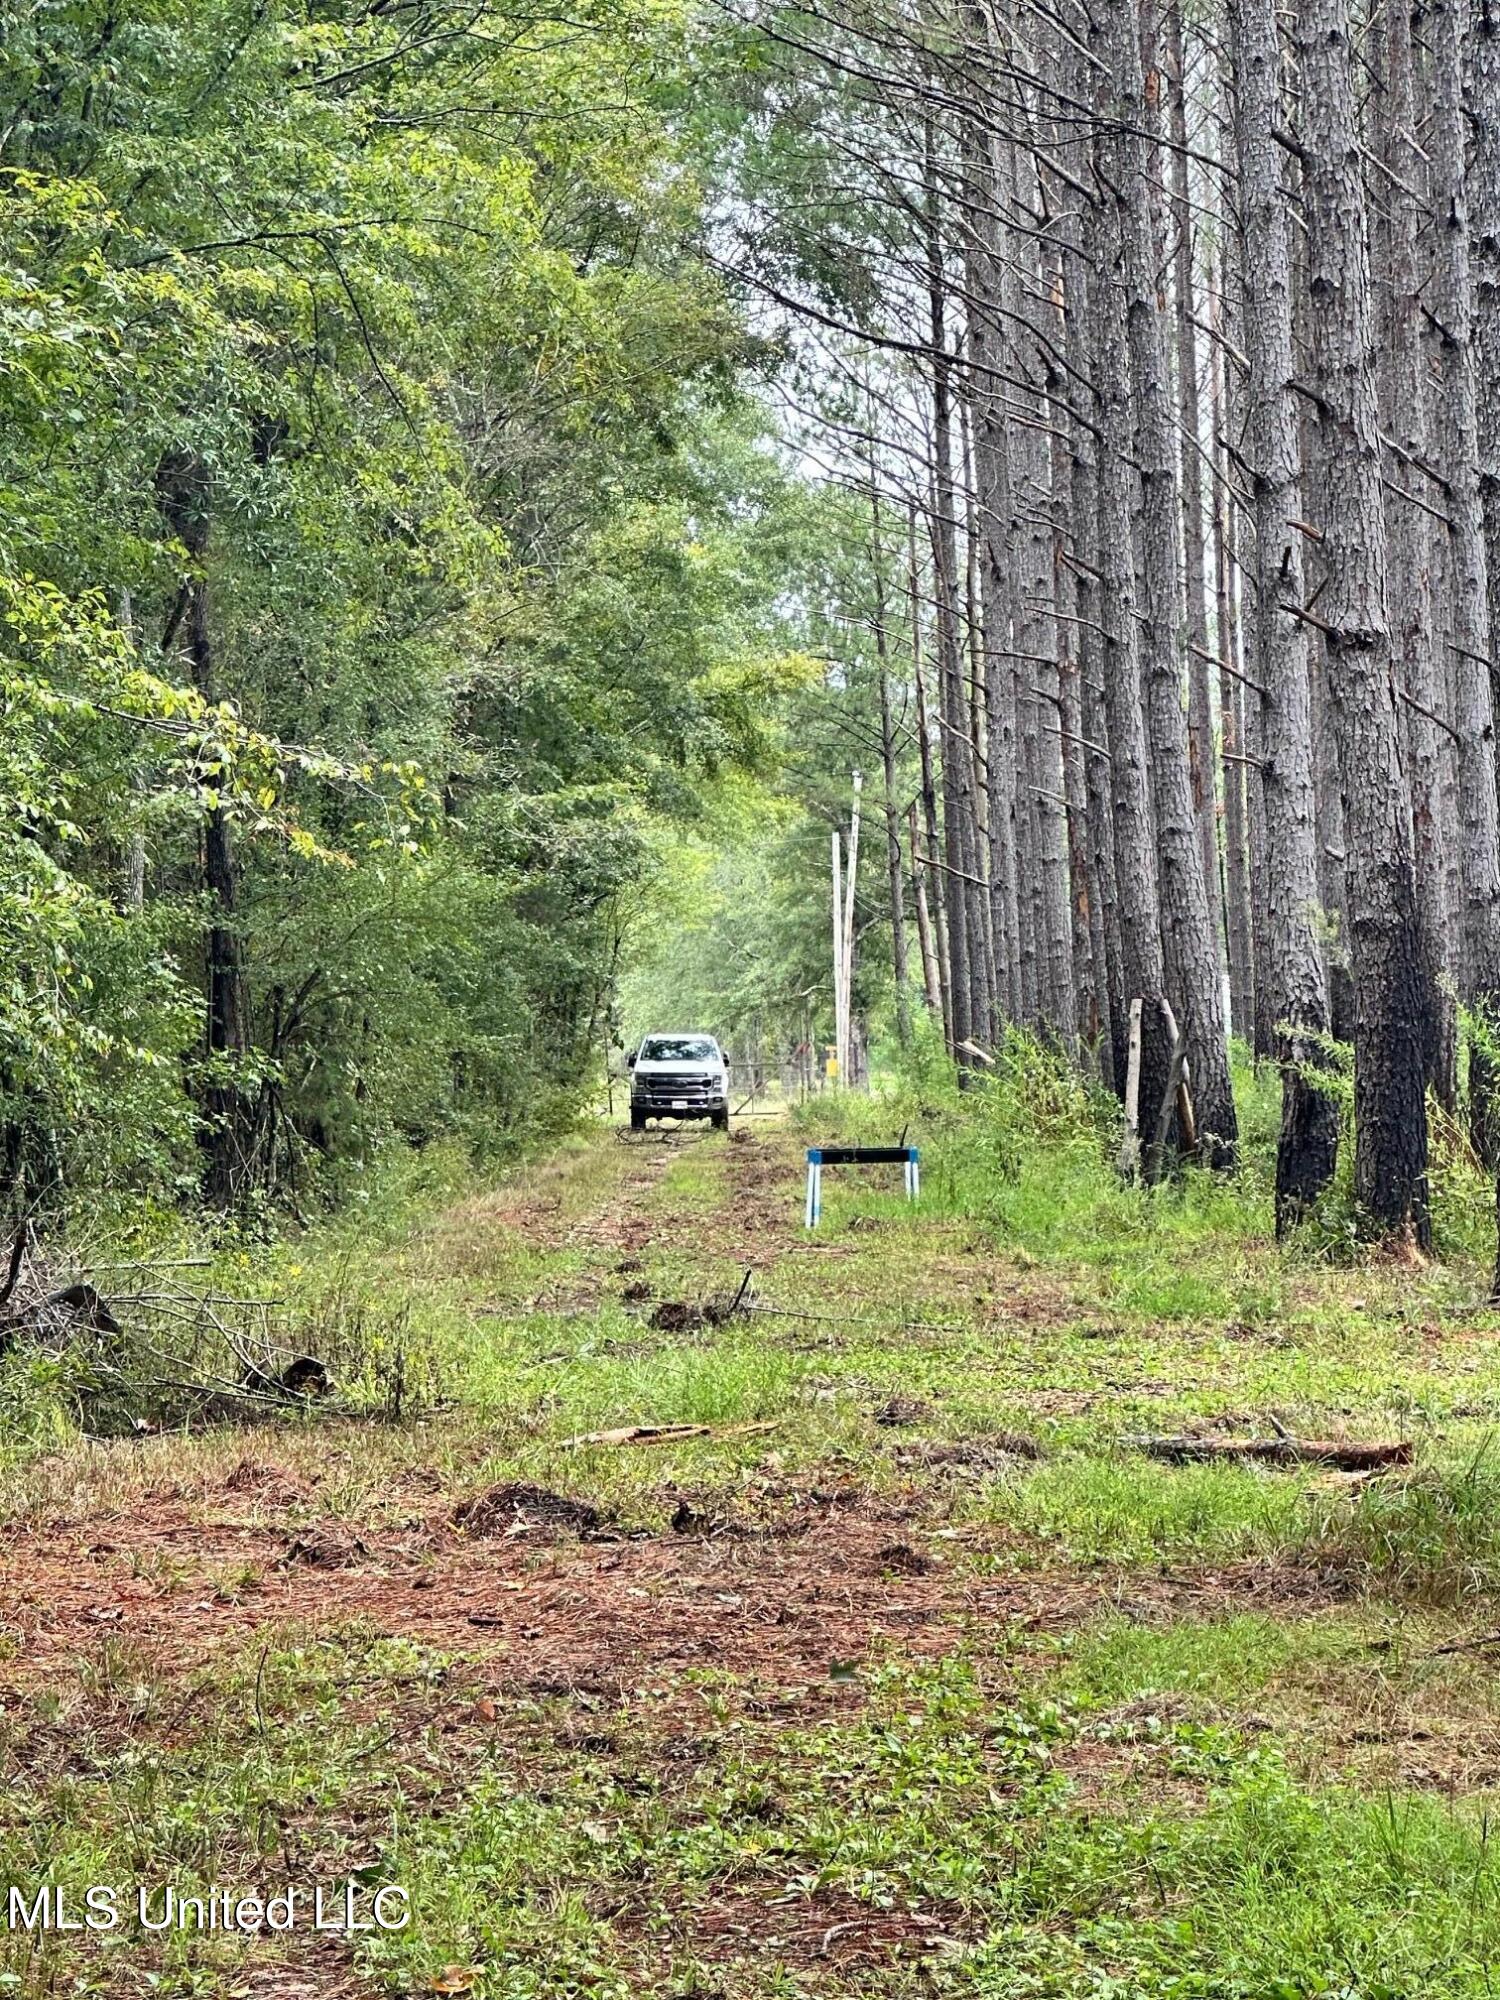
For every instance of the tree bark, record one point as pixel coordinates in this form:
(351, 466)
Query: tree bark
(899, 970)
(1451, 317)
(1201, 759)
(1483, 108)
(932, 979)
(1082, 556)
(1142, 963)
(967, 997)
(1390, 1163)
(1190, 955)
(984, 261)
(936, 904)
(1308, 1143)
(1402, 379)
(1040, 643)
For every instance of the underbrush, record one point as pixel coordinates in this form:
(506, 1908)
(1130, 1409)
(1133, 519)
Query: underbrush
(1027, 1149)
(1428, 1536)
(197, 1333)
(273, 1784)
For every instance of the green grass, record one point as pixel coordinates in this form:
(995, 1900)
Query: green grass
(1216, 1874)
(1230, 1754)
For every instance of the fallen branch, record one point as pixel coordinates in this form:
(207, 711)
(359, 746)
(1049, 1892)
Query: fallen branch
(664, 1433)
(1479, 1645)
(1345, 1456)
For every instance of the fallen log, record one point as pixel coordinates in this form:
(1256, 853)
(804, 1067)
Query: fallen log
(1345, 1455)
(664, 1433)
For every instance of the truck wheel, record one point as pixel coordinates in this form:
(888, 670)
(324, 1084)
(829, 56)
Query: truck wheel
(637, 1121)
(721, 1121)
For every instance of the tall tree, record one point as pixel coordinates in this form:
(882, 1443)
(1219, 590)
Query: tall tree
(1294, 972)
(1482, 105)
(1136, 880)
(1390, 1161)
(1451, 316)
(1403, 380)
(1191, 953)
(1201, 759)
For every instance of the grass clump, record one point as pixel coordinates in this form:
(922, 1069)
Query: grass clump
(1432, 1536)
(1131, 1510)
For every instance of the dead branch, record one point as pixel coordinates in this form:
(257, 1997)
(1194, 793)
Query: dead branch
(1345, 1455)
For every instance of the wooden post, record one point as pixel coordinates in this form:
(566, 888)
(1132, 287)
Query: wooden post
(1130, 1145)
(846, 1052)
(1176, 1086)
(838, 956)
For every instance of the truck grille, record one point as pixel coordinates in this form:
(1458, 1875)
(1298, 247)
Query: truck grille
(666, 1084)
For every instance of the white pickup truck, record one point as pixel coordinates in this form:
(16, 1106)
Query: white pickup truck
(679, 1076)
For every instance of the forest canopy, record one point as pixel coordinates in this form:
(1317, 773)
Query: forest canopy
(384, 560)
(489, 494)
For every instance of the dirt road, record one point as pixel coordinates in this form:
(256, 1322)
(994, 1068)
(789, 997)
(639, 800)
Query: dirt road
(687, 1642)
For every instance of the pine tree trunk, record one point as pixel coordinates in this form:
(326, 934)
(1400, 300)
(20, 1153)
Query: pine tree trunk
(1333, 848)
(900, 974)
(1142, 970)
(1082, 555)
(1402, 380)
(1236, 808)
(987, 1026)
(1040, 642)
(1451, 315)
(1083, 1028)
(1201, 759)
(1294, 975)
(1483, 107)
(934, 901)
(968, 996)
(1191, 958)
(984, 260)
(1390, 1112)
(932, 978)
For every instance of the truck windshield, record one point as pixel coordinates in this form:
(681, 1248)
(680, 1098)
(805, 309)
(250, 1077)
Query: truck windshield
(677, 1048)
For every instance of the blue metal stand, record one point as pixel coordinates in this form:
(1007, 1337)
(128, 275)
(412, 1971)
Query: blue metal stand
(819, 1157)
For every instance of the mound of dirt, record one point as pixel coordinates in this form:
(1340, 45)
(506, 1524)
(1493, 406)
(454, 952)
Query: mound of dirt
(898, 1410)
(516, 1508)
(680, 1316)
(677, 1316)
(267, 1482)
(904, 1560)
(324, 1548)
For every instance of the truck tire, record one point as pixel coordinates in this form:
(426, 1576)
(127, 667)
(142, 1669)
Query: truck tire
(637, 1120)
(721, 1121)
